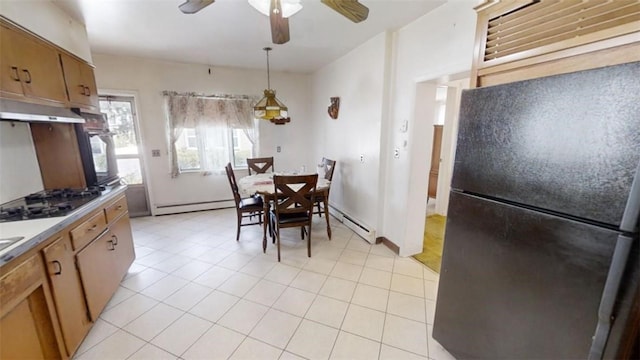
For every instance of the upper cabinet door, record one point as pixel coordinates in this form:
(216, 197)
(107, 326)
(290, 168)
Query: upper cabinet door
(9, 67)
(38, 67)
(80, 82)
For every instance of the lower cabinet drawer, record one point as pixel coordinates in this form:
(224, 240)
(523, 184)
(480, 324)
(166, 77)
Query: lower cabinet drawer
(117, 208)
(82, 234)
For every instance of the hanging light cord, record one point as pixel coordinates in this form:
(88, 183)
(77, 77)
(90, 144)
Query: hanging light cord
(267, 49)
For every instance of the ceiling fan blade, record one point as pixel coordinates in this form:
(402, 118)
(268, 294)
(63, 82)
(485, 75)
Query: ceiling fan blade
(351, 9)
(279, 24)
(193, 6)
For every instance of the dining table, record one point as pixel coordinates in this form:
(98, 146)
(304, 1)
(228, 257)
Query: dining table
(262, 185)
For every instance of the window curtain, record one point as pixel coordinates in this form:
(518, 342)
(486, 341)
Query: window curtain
(245, 119)
(211, 116)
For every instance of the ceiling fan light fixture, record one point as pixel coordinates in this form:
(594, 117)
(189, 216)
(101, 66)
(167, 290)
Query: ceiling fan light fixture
(269, 107)
(289, 7)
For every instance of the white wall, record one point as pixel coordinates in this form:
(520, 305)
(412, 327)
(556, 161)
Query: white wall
(358, 79)
(48, 21)
(148, 78)
(19, 171)
(437, 44)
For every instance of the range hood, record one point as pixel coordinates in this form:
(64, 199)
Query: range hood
(22, 111)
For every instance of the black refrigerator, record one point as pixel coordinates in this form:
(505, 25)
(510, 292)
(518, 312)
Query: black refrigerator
(540, 253)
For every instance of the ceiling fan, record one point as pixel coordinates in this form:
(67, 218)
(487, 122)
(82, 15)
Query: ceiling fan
(351, 9)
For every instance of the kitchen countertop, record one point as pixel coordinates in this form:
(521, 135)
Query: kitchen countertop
(38, 230)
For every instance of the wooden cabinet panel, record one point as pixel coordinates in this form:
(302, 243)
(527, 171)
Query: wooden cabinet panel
(125, 253)
(19, 335)
(67, 293)
(35, 64)
(9, 73)
(82, 234)
(97, 263)
(58, 155)
(26, 322)
(116, 209)
(80, 82)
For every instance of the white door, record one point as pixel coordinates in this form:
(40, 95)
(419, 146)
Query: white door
(123, 123)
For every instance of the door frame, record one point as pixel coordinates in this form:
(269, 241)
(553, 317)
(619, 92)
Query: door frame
(140, 137)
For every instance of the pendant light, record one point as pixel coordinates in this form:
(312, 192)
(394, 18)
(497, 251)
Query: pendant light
(269, 107)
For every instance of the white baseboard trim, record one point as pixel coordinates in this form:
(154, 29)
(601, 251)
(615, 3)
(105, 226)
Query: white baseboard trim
(167, 209)
(363, 230)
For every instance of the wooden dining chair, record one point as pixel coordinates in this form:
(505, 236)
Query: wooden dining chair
(322, 198)
(245, 208)
(260, 165)
(293, 206)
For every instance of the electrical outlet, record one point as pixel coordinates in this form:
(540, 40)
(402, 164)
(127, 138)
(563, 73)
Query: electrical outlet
(396, 153)
(155, 153)
(278, 148)
(361, 158)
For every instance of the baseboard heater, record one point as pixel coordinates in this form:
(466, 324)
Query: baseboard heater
(167, 209)
(363, 230)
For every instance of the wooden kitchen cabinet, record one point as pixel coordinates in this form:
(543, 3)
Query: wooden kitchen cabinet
(125, 253)
(67, 292)
(27, 316)
(96, 264)
(527, 39)
(51, 295)
(82, 234)
(104, 262)
(80, 81)
(30, 68)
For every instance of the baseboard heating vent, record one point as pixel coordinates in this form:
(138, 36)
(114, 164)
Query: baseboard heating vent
(167, 209)
(360, 228)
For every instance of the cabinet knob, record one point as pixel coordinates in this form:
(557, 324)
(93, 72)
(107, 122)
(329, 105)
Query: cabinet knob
(93, 227)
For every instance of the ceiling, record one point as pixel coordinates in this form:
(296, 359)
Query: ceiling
(232, 33)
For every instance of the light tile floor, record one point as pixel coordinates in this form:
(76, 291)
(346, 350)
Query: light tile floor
(195, 293)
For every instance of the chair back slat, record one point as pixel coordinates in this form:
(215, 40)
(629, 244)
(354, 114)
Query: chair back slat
(260, 165)
(328, 165)
(294, 193)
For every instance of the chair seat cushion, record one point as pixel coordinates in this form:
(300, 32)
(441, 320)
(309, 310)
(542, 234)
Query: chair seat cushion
(251, 202)
(290, 218)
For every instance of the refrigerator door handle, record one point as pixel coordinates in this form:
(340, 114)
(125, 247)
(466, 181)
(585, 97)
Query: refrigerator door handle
(631, 213)
(611, 286)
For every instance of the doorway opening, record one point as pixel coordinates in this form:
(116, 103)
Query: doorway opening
(443, 140)
(123, 122)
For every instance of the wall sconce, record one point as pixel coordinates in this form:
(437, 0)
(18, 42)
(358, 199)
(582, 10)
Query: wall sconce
(334, 108)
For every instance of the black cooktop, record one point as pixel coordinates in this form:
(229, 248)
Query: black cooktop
(48, 203)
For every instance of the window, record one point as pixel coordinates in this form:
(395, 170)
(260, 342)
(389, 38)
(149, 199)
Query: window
(214, 147)
(121, 117)
(206, 132)
(242, 148)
